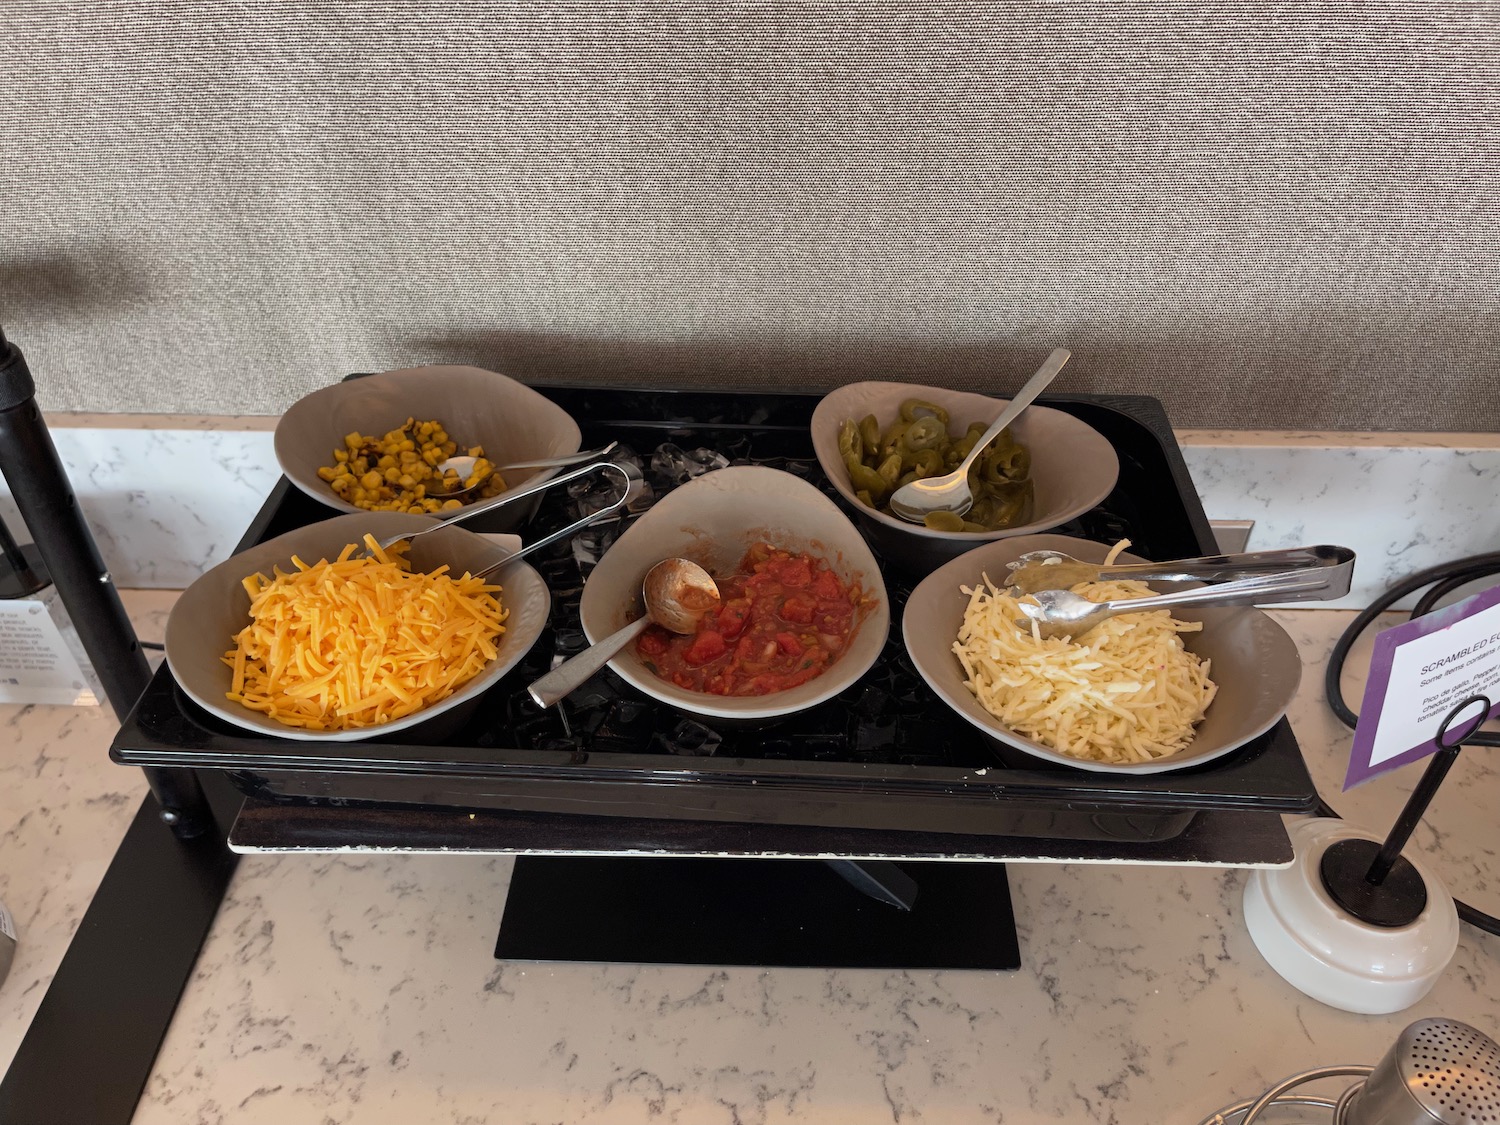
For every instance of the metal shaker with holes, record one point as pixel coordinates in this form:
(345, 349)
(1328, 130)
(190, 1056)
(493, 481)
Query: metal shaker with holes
(1440, 1072)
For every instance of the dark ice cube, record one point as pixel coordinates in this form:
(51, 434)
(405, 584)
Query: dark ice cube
(690, 738)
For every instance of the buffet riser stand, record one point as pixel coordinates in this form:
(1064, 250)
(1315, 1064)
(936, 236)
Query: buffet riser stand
(770, 883)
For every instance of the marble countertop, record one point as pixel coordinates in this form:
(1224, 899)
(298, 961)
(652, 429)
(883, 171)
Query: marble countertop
(339, 989)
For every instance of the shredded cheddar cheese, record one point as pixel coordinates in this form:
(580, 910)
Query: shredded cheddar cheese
(1128, 691)
(360, 641)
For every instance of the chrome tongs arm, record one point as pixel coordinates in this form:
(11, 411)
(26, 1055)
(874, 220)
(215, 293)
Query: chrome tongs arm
(1063, 613)
(1053, 570)
(521, 492)
(609, 468)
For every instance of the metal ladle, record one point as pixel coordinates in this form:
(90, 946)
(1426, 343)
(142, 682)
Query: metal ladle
(677, 594)
(950, 492)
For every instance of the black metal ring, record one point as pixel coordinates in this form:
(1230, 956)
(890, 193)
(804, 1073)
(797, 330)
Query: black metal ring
(1443, 729)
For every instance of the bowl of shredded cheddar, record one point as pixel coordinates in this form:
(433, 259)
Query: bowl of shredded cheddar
(320, 635)
(1141, 693)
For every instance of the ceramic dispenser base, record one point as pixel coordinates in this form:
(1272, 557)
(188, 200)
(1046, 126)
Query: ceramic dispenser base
(1323, 950)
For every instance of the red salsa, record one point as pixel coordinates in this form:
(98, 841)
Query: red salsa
(783, 618)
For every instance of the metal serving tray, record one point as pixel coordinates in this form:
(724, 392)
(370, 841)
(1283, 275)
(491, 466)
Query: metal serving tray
(885, 754)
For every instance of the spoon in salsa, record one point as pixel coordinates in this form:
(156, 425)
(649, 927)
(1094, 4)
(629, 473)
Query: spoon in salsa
(677, 593)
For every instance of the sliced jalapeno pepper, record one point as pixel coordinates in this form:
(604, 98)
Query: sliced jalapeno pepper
(927, 463)
(943, 521)
(849, 441)
(866, 479)
(914, 408)
(890, 441)
(924, 433)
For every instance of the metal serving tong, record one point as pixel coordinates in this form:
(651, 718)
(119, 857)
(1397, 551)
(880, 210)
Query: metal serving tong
(1301, 574)
(608, 468)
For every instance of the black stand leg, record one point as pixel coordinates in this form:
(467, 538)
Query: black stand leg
(44, 495)
(92, 1044)
(759, 912)
(90, 1048)
(881, 879)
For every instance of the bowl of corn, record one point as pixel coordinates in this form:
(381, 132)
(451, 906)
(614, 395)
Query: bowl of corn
(376, 443)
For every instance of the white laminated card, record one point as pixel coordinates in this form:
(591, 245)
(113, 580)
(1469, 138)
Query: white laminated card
(39, 661)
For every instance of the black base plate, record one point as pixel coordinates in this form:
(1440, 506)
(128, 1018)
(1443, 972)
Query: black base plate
(1396, 902)
(760, 912)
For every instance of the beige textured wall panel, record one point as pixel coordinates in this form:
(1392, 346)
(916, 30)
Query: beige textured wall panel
(1270, 216)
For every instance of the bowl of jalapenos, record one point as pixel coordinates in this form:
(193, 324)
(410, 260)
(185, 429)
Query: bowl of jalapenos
(1044, 470)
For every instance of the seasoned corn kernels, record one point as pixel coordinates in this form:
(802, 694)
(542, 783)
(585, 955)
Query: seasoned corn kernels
(397, 472)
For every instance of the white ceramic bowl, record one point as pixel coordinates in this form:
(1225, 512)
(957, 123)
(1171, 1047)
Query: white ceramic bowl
(1073, 466)
(1253, 661)
(215, 607)
(714, 520)
(509, 419)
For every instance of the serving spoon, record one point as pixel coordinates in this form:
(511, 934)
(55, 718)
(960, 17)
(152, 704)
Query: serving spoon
(677, 594)
(463, 466)
(950, 492)
(1062, 613)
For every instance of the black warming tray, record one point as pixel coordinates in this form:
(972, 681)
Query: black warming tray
(884, 754)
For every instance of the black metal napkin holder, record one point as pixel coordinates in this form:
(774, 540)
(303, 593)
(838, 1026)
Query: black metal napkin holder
(1372, 881)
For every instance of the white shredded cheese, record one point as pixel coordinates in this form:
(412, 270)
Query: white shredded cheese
(1128, 691)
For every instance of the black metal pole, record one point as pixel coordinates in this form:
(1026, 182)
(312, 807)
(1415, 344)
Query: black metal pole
(1376, 883)
(44, 496)
(12, 550)
(1411, 814)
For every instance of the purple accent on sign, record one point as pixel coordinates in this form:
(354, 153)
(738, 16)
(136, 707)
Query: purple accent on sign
(1378, 685)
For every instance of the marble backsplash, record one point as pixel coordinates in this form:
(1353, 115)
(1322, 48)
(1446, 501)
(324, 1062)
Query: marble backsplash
(169, 496)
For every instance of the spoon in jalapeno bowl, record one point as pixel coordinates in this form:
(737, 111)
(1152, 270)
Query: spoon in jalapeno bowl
(950, 492)
(677, 593)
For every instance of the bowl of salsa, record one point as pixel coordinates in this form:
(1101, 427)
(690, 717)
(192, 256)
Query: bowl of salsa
(784, 617)
(802, 610)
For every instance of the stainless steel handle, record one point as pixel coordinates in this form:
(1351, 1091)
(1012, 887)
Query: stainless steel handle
(574, 672)
(1024, 397)
(1321, 584)
(572, 528)
(567, 459)
(530, 488)
(1223, 568)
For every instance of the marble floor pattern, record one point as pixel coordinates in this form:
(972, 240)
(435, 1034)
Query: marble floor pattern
(340, 989)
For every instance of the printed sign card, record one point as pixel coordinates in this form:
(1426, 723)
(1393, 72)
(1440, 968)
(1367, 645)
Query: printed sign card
(37, 665)
(1419, 672)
